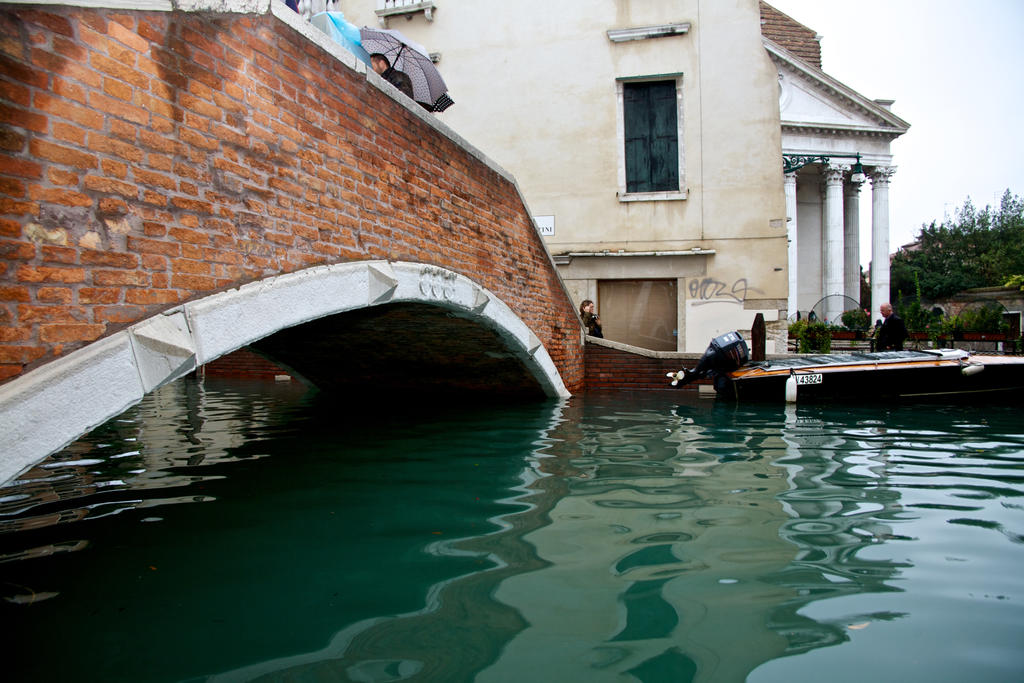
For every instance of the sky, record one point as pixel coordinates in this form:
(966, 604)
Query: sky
(956, 72)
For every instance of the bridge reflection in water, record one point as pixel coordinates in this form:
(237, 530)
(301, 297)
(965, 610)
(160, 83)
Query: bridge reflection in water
(226, 531)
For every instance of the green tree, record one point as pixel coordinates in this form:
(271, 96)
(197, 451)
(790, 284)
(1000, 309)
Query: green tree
(974, 248)
(865, 290)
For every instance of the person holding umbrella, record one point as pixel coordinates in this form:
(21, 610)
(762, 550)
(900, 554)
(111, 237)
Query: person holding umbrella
(393, 53)
(390, 74)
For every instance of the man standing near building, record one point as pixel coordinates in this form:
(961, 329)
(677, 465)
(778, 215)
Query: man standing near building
(892, 332)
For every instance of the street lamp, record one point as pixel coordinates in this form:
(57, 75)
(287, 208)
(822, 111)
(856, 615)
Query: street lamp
(858, 173)
(794, 162)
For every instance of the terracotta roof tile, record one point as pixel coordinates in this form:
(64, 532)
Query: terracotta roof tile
(790, 34)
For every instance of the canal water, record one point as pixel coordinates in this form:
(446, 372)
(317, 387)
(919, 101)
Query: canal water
(233, 531)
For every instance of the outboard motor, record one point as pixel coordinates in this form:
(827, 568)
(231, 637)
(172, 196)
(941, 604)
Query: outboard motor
(725, 353)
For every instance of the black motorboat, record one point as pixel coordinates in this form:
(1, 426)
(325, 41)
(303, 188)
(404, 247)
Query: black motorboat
(855, 376)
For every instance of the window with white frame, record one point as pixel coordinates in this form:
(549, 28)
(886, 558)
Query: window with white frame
(650, 136)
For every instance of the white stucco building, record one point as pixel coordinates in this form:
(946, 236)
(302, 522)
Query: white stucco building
(648, 139)
(645, 137)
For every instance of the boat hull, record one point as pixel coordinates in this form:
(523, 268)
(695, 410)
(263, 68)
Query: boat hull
(880, 376)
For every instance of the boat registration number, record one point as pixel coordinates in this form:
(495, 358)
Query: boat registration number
(813, 378)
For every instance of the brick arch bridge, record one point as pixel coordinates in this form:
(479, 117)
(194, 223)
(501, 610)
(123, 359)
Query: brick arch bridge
(174, 185)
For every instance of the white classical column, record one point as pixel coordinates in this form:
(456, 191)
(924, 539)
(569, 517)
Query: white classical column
(880, 238)
(851, 243)
(794, 254)
(834, 280)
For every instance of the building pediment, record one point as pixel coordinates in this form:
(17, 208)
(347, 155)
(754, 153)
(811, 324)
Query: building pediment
(811, 100)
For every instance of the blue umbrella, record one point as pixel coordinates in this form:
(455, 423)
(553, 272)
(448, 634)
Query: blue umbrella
(341, 32)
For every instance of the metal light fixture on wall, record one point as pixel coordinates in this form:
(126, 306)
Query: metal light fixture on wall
(857, 176)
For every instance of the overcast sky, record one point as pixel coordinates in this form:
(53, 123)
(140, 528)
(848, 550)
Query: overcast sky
(956, 71)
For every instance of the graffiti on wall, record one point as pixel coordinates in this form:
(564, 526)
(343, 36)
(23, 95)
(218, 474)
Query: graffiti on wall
(709, 290)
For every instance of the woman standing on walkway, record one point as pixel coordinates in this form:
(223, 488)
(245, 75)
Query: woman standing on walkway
(590, 319)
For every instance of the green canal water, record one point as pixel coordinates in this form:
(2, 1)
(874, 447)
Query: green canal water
(230, 531)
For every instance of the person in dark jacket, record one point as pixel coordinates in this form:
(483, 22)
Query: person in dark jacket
(397, 78)
(893, 331)
(590, 319)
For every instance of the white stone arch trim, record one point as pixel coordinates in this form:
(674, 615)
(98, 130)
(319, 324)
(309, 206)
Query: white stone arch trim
(48, 408)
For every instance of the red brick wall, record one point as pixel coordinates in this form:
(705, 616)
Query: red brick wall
(152, 158)
(617, 370)
(246, 364)
(607, 369)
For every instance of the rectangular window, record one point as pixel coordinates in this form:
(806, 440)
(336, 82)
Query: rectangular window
(652, 136)
(649, 122)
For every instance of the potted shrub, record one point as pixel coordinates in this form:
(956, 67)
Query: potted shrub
(944, 328)
(816, 337)
(856, 319)
(918, 319)
(981, 323)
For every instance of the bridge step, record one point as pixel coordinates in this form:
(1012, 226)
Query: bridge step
(610, 366)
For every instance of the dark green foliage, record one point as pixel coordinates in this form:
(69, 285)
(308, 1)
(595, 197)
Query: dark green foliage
(817, 338)
(915, 316)
(976, 248)
(987, 318)
(856, 319)
(865, 290)
(813, 337)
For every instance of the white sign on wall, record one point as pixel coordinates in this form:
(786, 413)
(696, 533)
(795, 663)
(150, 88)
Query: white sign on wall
(546, 224)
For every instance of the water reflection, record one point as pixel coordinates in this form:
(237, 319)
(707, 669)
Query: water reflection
(659, 551)
(602, 538)
(148, 450)
(836, 503)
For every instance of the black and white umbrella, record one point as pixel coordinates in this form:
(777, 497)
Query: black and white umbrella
(411, 59)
